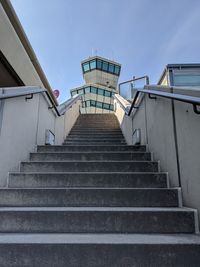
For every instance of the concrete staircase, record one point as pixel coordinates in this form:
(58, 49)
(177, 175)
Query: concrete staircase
(95, 201)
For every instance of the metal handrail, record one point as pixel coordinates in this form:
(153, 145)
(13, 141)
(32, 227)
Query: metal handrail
(135, 79)
(32, 90)
(195, 101)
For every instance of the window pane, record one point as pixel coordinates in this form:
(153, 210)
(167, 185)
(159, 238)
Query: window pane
(105, 66)
(99, 63)
(87, 90)
(80, 92)
(83, 104)
(106, 106)
(86, 67)
(111, 68)
(99, 104)
(117, 69)
(74, 93)
(92, 103)
(88, 103)
(93, 90)
(100, 91)
(111, 107)
(187, 80)
(107, 93)
(93, 64)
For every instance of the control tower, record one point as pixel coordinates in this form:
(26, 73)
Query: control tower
(101, 76)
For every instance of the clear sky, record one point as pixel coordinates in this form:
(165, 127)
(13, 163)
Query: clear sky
(142, 35)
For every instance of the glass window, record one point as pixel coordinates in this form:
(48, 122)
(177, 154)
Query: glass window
(87, 90)
(93, 90)
(187, 80)
(107, 93)
(80, 92)
(117, 69)
(99, 64)
(105, 105)
(99, 104)
(92, 103)
(86, 67)
(111, 107)
(100, 91)
(74, 93)
(111, 68)
(93, 64)
(88, 103)
(83, 104)
(105, 66)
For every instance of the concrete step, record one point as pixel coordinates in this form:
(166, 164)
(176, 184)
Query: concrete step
(96, 220)
(95, 139)
(99, 250)
(97, 143)
(101, 131)
(96, 136)
(93, 166)
(95, 179)
(62, 156)
(89, 147)
(89, 197)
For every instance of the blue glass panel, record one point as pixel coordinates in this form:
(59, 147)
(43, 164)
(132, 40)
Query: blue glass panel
(111, 107)
(86, 67)
(88, 103)
(105, 105)
(111, 68)
(186, 80)
(108, 93)
(99, 64)
(105, 66)
(80, 92)
(74, 93)
(93, 90)
(99, 104)
(100, 91)
(87, 90)
(117, 69)
(92, 103)
(93, 64)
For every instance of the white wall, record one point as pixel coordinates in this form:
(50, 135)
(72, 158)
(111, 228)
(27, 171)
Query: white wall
(23, 128)
(158, 128)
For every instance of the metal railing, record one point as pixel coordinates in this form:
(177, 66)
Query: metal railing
(195, 101)
(128, 88)
(29, 91)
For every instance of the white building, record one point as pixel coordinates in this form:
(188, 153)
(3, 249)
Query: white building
(101, 76)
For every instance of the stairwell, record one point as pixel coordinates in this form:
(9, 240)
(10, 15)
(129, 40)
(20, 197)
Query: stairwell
(95, 201)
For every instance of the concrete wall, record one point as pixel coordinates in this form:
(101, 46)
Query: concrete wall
(159, 126)
(23, 128)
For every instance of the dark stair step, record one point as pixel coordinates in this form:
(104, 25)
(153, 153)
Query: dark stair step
(95, 179)
(89, 197)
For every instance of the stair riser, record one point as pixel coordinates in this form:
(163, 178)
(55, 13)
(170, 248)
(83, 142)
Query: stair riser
(98, 255)
(88, 198)
(96, 141)
(96, 222)
(95, 136)
(90, 148)
(93, 143)
(89, 166)
(89, 156)
(138, 180)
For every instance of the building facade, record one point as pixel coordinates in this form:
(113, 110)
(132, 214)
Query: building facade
(101, 76)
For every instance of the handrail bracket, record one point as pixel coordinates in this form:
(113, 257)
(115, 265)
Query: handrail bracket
(195, 108)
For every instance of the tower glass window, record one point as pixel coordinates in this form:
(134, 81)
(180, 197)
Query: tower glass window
(107, 93)
(87, 90)
(117, 69)
(86, 66)
(93, 64)
(93, 90)
(105, 66)
(100, 91)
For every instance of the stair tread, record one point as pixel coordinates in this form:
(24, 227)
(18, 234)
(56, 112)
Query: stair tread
(56, 238)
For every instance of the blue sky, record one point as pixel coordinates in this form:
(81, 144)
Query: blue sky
(142, 35)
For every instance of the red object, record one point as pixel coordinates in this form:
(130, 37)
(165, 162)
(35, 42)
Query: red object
(56, 93)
